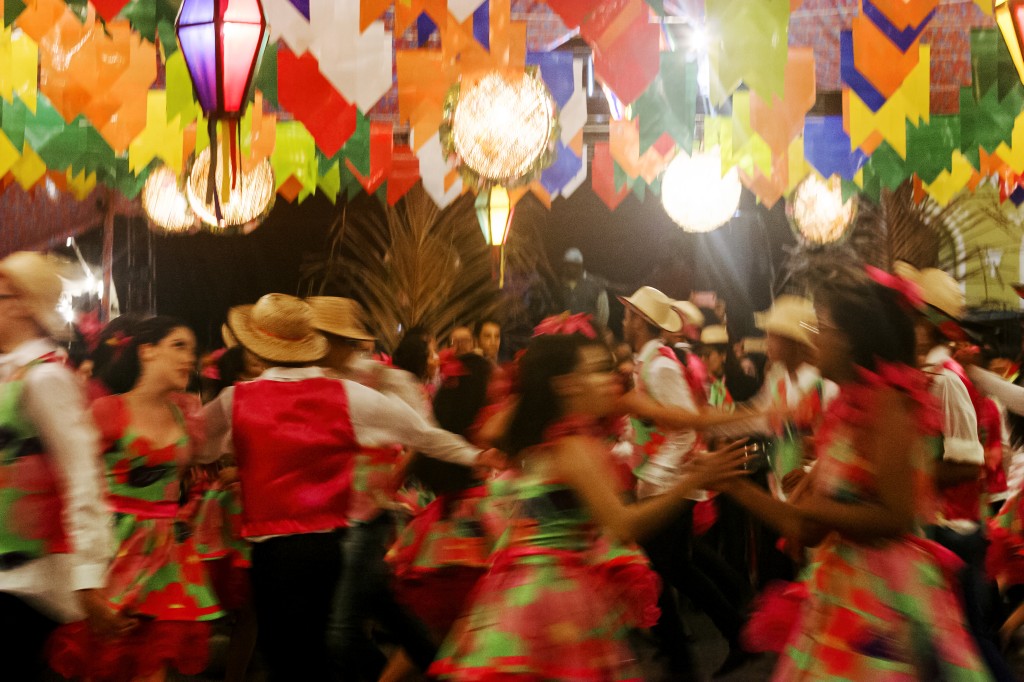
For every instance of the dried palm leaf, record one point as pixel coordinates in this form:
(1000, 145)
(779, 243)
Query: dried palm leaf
(410, 265)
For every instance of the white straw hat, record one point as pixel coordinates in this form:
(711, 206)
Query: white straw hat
(655, 307)
(34, 277)
(938, 289)
(790, 316)
(690, 313)
(715, 335)
(279, 328)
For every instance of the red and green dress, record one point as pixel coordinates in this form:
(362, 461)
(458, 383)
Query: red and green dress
(544, 611)
(156, 576)
(887, 610)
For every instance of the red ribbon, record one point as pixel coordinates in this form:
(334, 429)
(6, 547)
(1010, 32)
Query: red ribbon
(143, 508)
(910, 292)
(566, 324)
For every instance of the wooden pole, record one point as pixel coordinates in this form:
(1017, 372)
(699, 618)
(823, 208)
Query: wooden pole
(108, 257)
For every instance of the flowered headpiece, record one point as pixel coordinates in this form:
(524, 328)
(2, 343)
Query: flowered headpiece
(566, 324)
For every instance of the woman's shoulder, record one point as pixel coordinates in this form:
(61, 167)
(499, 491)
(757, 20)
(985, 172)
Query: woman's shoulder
(111, 416)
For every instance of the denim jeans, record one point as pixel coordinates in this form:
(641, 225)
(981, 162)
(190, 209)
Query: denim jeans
(364, 593)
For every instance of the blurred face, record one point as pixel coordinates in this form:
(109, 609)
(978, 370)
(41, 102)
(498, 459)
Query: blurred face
(171, 361)
(714, 360)
(433, 361)
(11, 309)
(924, 338)
(786, 351)
(490, 340)
(832, 349)
(572, 271)
(461, 340)
(252, 366)
(592, 388)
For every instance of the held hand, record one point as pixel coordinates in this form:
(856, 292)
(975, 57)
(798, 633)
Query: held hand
(492, 458)
(103, 620)
(791, 480)
(716, 469)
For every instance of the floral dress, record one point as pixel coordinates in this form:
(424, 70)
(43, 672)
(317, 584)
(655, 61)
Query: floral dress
(1004, 560)
(544, 611)
(885, 611)
(156, 575)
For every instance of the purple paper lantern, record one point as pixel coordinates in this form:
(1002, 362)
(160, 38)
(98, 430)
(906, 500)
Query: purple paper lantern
(222, 41)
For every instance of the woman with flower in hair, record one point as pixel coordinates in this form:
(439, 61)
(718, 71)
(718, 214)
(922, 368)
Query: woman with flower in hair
(156, 579)
(879, 604)
(543, 612)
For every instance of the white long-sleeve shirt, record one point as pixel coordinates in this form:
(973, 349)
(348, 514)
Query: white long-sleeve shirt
(662, 379)
(1009, 394)
(54, 402)
(377, 420)
(960, 441)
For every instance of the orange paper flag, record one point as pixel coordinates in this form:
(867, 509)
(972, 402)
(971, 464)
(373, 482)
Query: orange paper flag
(879, 59)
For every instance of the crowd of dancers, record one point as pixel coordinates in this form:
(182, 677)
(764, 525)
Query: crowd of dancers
(532, 520)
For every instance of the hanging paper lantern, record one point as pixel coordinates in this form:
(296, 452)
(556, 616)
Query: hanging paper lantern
(222, 41)
(1010, 19)
(502, 130)
(817, 210)
(248, 203)
(696, 195)
(164, 202)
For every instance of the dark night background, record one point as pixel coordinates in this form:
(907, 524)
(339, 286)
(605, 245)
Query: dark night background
(199, 277)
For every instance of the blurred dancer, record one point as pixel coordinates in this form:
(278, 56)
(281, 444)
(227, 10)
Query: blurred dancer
(55, 539)
(879, 604)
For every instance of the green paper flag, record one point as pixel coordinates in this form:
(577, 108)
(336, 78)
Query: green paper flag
(12, 8)
(266, 77)
(930, 146)
(669, 105)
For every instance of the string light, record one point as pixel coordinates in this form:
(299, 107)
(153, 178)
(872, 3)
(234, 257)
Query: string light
(249, 201)
(696, 195)
(818, 212)
(502, 129)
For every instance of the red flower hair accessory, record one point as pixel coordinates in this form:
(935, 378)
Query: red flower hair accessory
(566, 324)
(909, 291)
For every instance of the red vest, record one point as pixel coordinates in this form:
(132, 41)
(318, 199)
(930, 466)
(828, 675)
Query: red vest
(295, 445)
(963, 501)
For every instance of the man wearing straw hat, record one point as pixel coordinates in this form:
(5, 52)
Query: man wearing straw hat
(650, 315)
(55, 535)
(959, 473)
(364, 589)
(294, 432)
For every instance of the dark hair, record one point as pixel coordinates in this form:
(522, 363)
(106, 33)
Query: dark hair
(413, 352)
(479, 326)
(539, 407)
(456, 406)
(230, 366)
(120, 369)
(874, 319)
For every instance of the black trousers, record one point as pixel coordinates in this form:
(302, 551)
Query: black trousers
(699, 573)
(24, 633)
(293, 583)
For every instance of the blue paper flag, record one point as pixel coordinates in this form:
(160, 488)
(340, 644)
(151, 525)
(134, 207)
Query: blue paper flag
(853, 78)
(566, 167)
(556, 70)
(827, 147)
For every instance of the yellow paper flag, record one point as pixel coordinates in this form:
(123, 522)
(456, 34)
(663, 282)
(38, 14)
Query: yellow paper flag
(8, 154)
(951, 182)
(28, 169)
(159, 139)
(19, 67)
(910, 102)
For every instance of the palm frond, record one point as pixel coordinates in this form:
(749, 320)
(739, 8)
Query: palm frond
(410, 265)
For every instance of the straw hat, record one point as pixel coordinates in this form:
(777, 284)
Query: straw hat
(938, 289)
(229, 339)
(655, 307)
(690, 313)
(279, 328)
(790, 316)
(715, 335)
(34, 276)
(339, 316)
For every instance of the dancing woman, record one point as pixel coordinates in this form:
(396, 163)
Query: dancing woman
(156, 581)
(880, 605)
(542, 612)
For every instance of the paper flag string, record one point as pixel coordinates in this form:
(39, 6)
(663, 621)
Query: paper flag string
(930, 146)
(303, 91)
(294, 159)
(669, 105)
(19, 66)
(909, 102)
(357, 63)
(749, 45)
(624, 145)
(950, 182)
(779, 120)
(602, 174)
(434, 168)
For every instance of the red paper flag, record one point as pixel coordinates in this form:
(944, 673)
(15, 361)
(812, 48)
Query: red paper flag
(602, 172)
(303, 90)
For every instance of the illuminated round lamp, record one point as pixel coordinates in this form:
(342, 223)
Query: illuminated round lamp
(165, 203)
(248, 204)
(504, 128)
(817, 210)
(696, 195)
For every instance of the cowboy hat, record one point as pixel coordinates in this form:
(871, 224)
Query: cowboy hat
(655, 307)
(278, 328)
(938, 289)
(339, 316)
(34, 277)
(690, 313)
(792, 317)
(715, 335)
